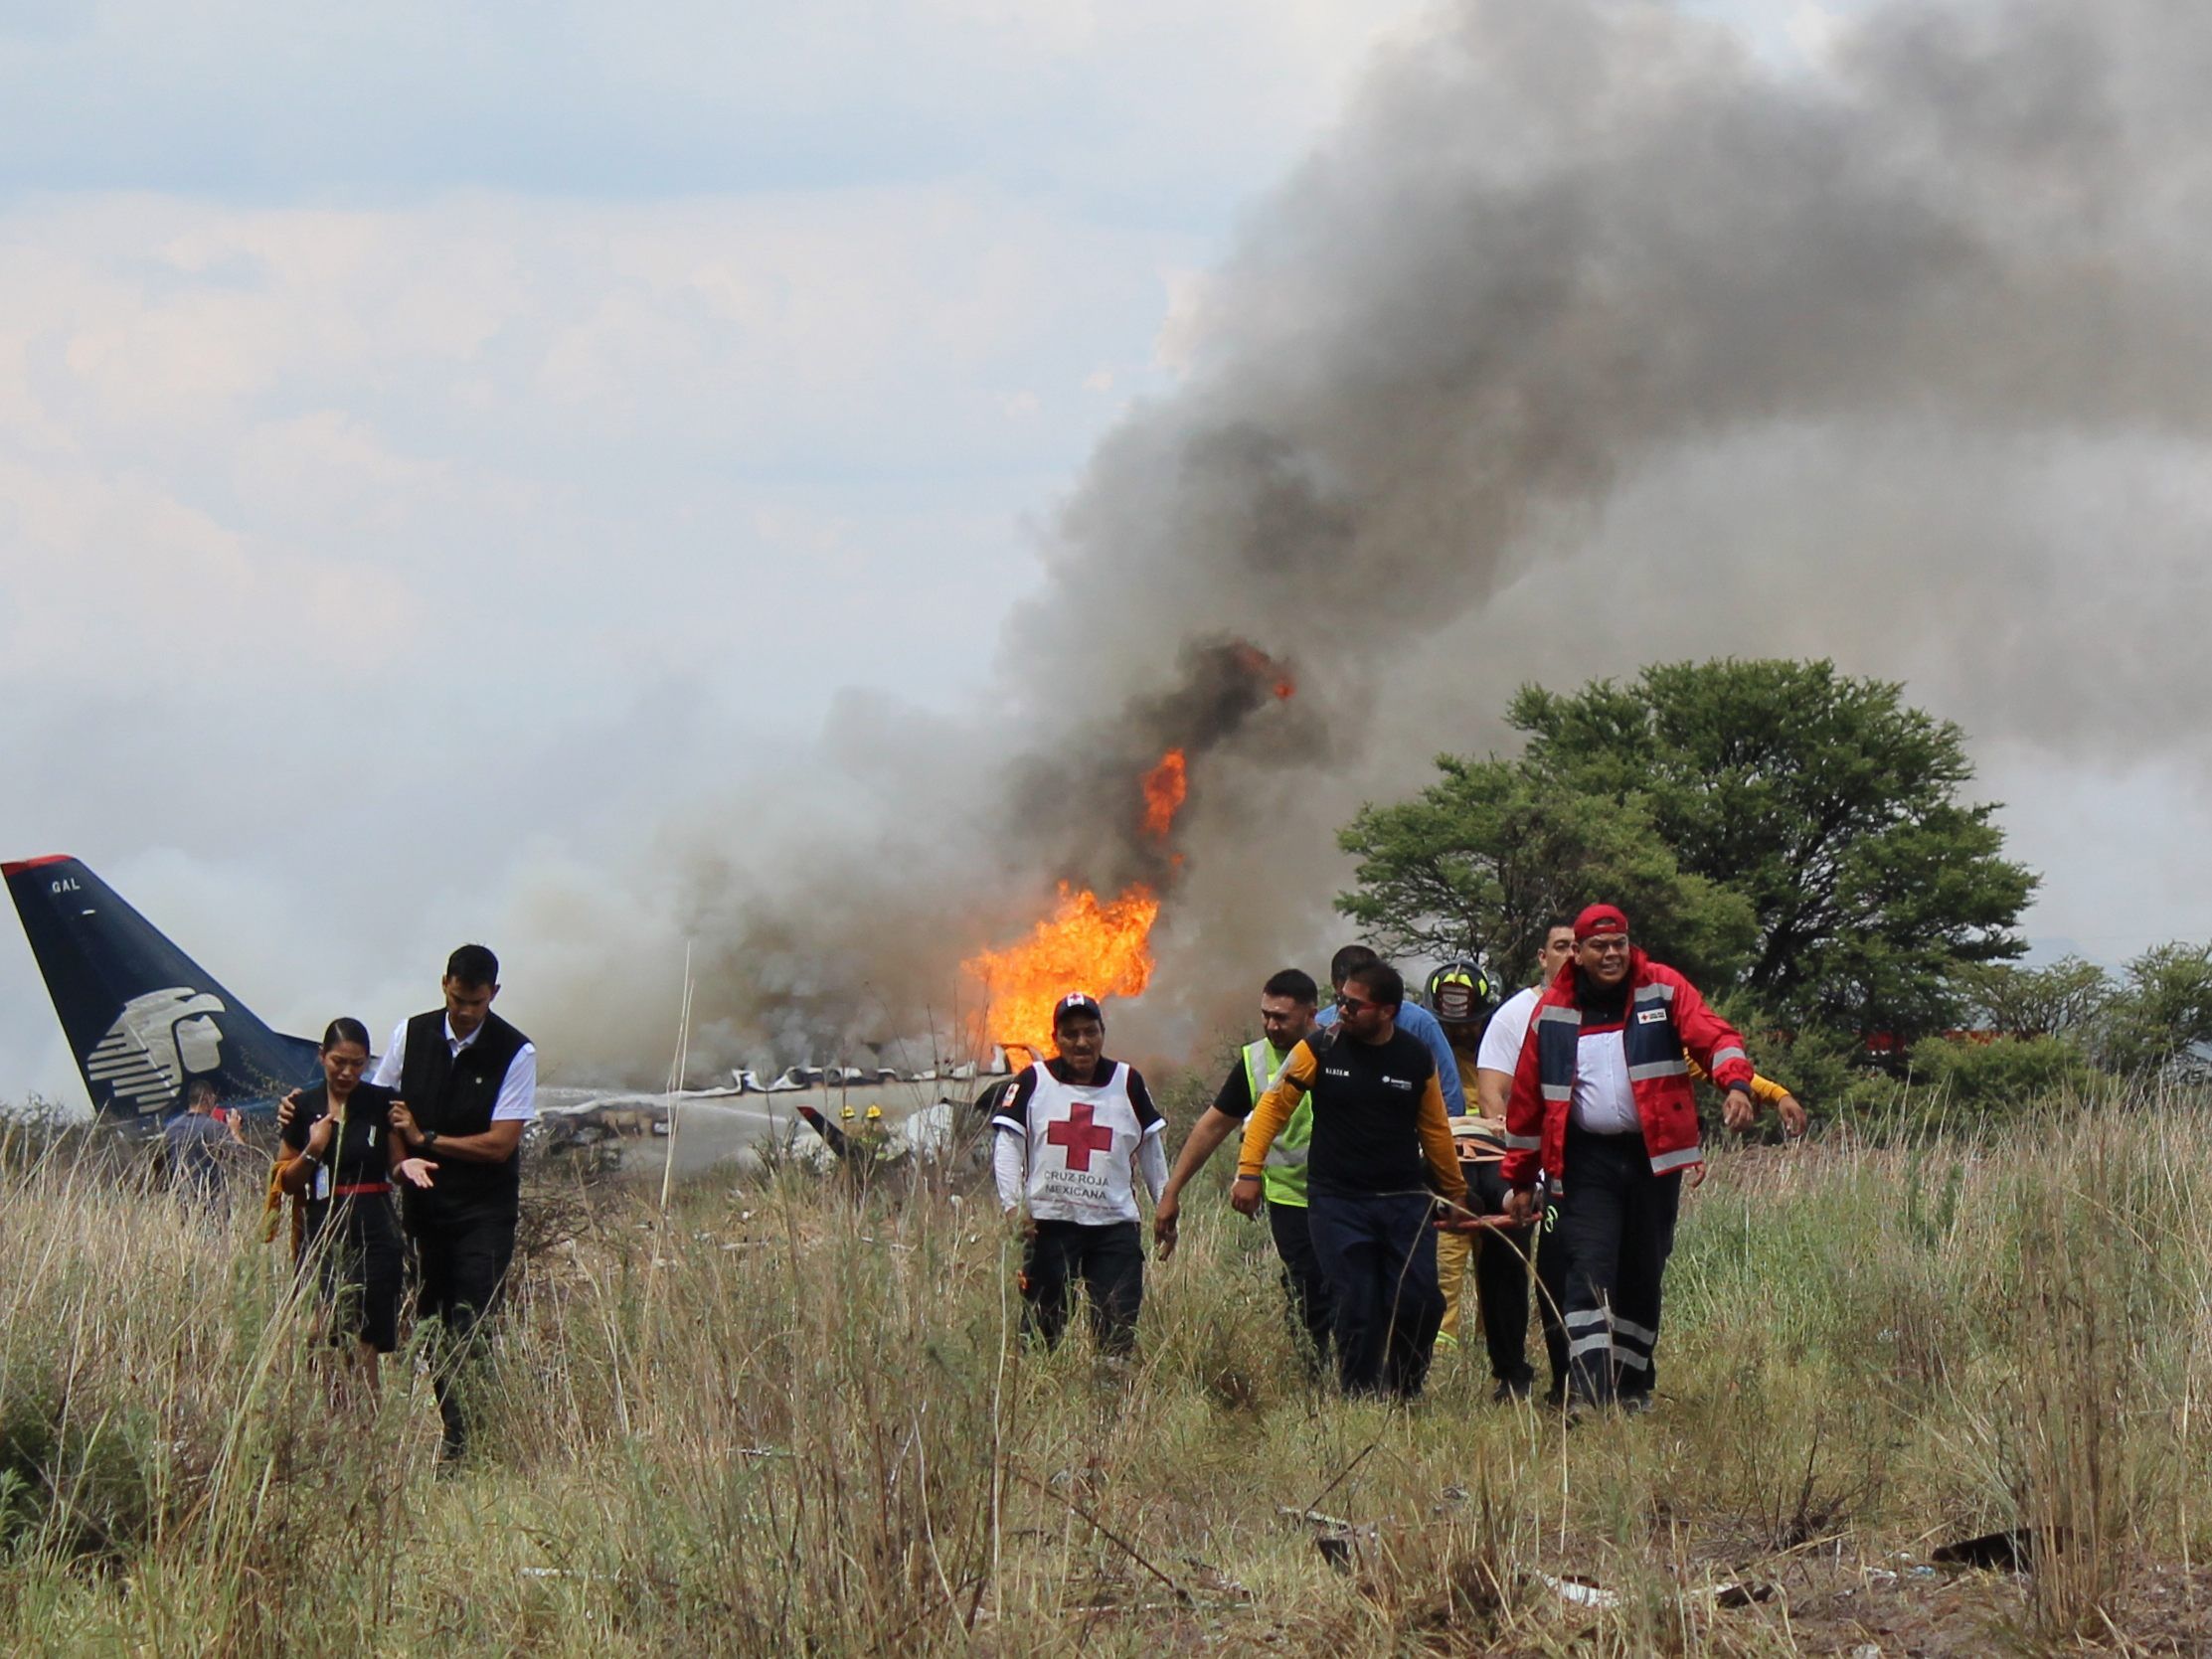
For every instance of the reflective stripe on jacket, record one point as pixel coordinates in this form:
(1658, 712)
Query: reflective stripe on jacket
(1668, 1024)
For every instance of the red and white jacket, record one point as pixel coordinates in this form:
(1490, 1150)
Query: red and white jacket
(1665, 1020)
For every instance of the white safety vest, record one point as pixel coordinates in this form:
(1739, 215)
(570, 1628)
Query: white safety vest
(1082, 1141)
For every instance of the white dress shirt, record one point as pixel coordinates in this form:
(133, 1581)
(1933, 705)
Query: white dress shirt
(1605, 1103)
(518, 1091)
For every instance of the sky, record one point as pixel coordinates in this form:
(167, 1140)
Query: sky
(441, 448)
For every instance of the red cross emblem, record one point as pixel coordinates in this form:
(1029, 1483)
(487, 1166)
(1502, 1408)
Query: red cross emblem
(1080, 1137)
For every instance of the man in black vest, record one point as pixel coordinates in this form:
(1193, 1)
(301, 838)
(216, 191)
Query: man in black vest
(467, 1083)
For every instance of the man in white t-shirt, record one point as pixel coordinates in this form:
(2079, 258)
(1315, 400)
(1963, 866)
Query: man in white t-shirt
(1494, 1064)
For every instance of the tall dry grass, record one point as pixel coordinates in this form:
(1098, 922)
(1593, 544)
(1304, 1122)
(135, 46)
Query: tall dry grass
(789, 1419)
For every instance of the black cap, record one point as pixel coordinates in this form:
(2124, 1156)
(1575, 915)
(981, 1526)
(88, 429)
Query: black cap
(1073, 1003)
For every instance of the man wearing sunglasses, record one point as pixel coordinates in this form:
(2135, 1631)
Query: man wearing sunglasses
(1413, 1019)
(1603, 1104)
(1380, 1154)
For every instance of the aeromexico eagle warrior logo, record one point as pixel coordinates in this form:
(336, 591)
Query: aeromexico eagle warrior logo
(158, 1041)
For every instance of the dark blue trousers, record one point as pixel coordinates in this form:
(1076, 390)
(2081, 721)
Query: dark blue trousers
(1310, 1308)
(1380, 1258)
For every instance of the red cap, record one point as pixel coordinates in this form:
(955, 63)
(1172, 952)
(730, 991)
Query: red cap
(1600, 919)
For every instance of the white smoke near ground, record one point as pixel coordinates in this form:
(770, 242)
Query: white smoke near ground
(1589, 340)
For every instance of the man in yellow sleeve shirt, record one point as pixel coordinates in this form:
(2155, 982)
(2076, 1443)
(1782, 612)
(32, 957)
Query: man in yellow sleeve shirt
(1381, 1154)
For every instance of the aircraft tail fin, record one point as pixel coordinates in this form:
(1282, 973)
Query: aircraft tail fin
(144, 1020)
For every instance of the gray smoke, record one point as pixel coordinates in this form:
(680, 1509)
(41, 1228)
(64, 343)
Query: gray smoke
(1591, 339)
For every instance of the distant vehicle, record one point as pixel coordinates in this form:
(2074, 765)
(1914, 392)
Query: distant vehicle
(143, 1019)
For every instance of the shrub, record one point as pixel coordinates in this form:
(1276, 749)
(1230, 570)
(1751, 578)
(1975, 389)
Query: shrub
(2002, 1075)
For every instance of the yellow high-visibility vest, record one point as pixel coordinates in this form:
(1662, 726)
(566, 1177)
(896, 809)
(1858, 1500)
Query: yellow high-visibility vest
(1283, 1177)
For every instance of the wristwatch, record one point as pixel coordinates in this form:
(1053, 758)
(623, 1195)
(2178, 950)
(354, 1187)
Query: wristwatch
(430, 1137)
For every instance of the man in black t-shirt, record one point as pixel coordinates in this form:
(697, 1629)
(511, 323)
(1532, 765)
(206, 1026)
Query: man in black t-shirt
(1381, 1154)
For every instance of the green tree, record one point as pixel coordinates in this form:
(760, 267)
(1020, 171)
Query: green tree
(1825, 801)
(2163, 1011)
(1483, 857)
(2065, 998)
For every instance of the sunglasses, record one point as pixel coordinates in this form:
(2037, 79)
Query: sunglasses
(1352, 1005)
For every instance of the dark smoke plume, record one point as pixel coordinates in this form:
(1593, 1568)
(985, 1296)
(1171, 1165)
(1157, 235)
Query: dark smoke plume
(1593, 339)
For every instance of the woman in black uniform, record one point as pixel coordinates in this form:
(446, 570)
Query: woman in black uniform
(345, 1157)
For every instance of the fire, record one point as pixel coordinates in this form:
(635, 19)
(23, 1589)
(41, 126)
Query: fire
(1258, 664)
(1087, 943)
(1083, 945)
(1165, 785)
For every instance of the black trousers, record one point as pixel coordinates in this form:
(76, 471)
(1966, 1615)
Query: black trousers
(460, 1267)
(1380, 1256)
(1551, 1296)
(1108, 1259)
(1502, 1261)
(1500, 1279)
(1617, 1224)
(1312, 1308)
(354, 1243)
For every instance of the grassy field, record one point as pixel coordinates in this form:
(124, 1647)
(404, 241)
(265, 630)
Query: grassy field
(783, 1420)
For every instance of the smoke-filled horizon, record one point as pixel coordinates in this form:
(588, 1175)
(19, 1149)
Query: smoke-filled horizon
(1589, 340)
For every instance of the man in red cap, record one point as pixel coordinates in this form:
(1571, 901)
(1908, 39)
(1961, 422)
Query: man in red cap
(1603, 1104)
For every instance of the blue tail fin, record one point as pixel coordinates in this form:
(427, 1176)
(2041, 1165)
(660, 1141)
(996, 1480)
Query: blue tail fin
(144, 1020)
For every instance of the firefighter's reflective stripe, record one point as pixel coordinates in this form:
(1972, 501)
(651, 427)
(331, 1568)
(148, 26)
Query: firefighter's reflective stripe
(1667, 1163)
(1282, 1176)
(1587, 1332)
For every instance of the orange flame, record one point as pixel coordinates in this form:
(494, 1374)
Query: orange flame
(1256, 662)
(1083, 945)
(1165, 785)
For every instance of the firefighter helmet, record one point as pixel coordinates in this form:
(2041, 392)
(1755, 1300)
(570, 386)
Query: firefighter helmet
(1459, 992)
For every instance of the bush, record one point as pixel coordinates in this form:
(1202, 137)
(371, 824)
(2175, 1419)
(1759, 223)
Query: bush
(2005, 1075)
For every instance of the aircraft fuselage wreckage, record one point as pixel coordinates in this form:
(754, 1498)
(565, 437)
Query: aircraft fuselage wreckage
(145, 1022)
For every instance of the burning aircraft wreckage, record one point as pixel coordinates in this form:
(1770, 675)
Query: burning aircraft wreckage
(145, 1021)
(1093, 937)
